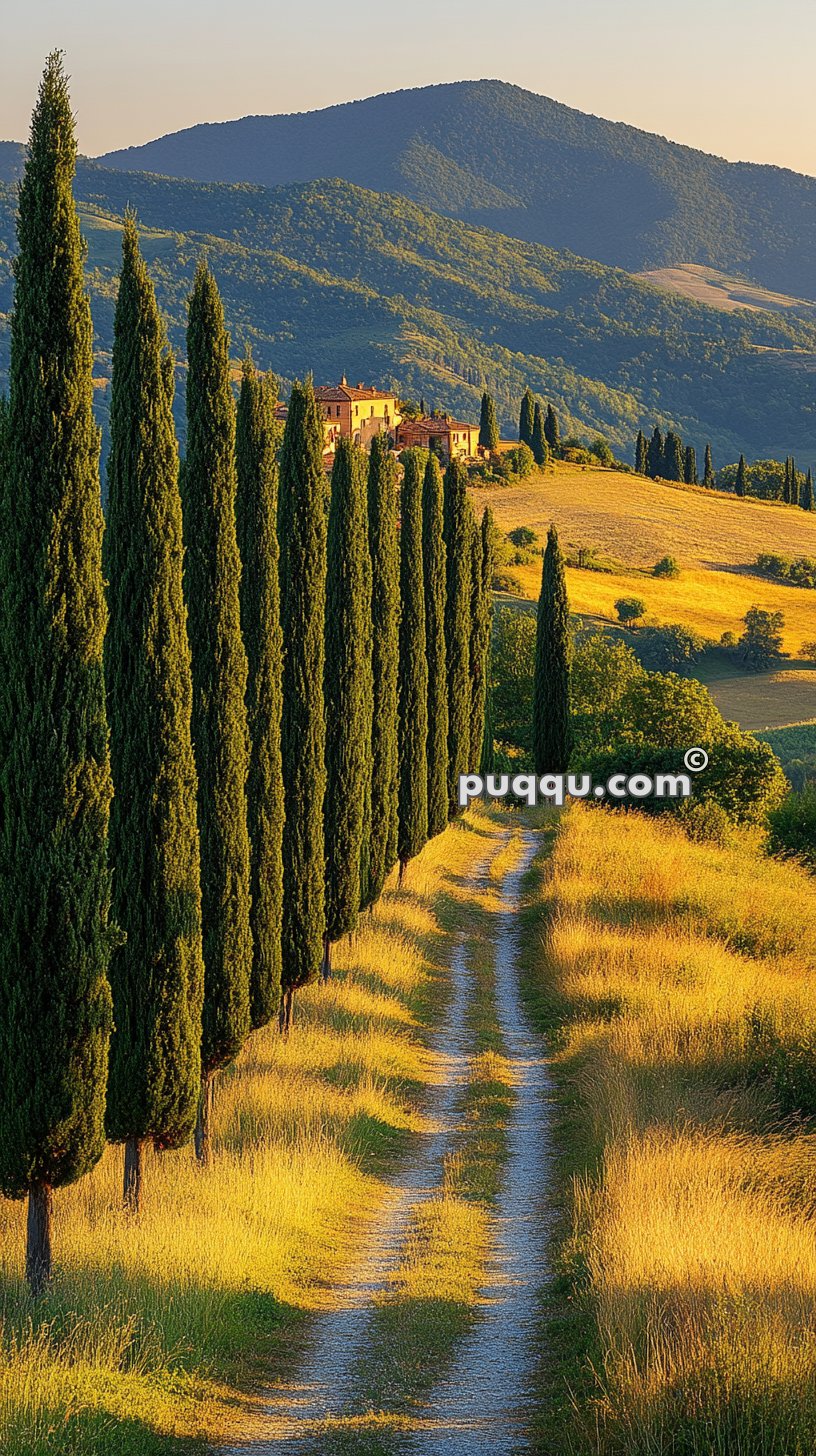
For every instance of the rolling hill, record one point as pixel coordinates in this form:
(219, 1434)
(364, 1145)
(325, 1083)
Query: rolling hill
(330, 277)
(497, 155)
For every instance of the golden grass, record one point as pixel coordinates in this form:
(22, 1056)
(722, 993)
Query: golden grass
(681, 976)
(719, 290)
(156, 1329)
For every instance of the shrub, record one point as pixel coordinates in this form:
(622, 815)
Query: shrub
(667, 566)
(729, 641)
(706, 822)
(809, 650)
(520, 460)
(523, 536)
(793, 827)
(630, 610)
(602, 451)
(672, 647)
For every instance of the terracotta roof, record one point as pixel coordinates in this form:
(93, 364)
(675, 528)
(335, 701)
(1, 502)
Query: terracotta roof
(437, 427)
(337, 393)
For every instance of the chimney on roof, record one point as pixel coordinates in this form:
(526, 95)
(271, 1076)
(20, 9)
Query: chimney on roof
(343, 382)
(360, 384)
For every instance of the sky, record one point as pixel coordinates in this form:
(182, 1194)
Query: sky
(732, 77)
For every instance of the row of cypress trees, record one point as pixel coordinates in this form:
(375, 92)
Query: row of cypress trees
(539, 429)
(204, 779)
(670, 459)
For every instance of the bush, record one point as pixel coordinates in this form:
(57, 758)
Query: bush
(520, 460)
(667, 566)
(799, 570)
(793, 827)
(671, 648)
(577, 455)
(630, 610)
(523, 536)
(729, 641)
(512, 667)
(809, 650)
(743, 776)
(504, 582)
(602, 451)
(706, 822)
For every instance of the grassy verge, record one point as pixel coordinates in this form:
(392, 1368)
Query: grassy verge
(675, 982)
(158, 1331)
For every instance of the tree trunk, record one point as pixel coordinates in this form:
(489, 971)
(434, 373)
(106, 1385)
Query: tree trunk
(203, 1149)
(38, 1240)
(325, 969)
(403, 865)
(285, 1016)
(132, 1193)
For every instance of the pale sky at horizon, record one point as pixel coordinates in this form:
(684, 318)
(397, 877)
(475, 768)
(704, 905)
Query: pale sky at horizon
(711, 73)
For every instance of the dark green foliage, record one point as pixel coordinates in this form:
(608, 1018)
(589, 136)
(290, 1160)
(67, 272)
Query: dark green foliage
(786, 484)
(488, 424)
(55, 781)
(539, 444)
(347, 686)
(302, 516)
(673, 461)
(654, 455)
(793, 827)
(794, 483)
(434, 561)
(256, 512)
(739, 483)
(708, 470)
(212, 570)
(761, 642)
(690, 466)
(458, 524)
(526, 416)
(552, 433)
(480, 631)
(641, 455)
(157, 976)
(413, 667)
(806, 499)
(385, 614)
(552, 700)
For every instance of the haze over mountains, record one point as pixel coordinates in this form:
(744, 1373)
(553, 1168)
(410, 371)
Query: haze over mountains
(494, 154)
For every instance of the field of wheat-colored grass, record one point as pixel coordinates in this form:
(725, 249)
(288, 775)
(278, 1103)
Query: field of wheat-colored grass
(156, 1329)
(679, 979)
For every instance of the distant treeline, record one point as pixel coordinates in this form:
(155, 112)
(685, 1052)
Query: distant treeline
(668, 458)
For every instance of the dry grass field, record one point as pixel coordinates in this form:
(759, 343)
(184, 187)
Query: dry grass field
(719, 290)
(676, 979)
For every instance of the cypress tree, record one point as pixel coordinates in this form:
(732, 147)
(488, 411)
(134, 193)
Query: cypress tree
(806, 498)
(552, 707)
(256, 512)
(488, 759)
(786, 484)
(385, 614)
(526, 417)
(739, 483)
(655, 455)
(488, 424)
(552, 433)
(55, 781)
(347, 694)
(480, 631)
(641, 458)
(708, 469)
(690, 466)
(302, 517)
(794, 483)
(435, 571)
(212, 570)
(413, 669)
(157, 976)
(673, 461)
(539, 443)
(458, 519)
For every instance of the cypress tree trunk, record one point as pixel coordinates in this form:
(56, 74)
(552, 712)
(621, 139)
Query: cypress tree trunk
(458, 517)
(256, 441)
(434, 572)
(347, 690)
(413, 670)
(212, 571)
(552, 705)
(481, 623)
(132, 1187)
(55, 783)
(157, 975)
(203, 1127)
(385, 616)
(302, 535)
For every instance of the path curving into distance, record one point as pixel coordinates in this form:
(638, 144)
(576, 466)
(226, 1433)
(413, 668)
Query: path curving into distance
(485, 1403)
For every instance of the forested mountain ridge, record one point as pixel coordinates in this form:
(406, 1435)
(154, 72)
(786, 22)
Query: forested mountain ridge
(528, 166)
(330, 277)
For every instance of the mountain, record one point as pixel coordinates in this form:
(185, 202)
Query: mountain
(497, 155)
(330, 277)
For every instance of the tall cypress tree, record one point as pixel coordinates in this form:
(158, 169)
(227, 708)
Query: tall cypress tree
(552, 432)
(641, 459)
(655, 454)
(673, 461)
(413, 669)
(347, 693)
(786, 483)
(55, 781)
(806, 498)
(385, 614)
(157, 976)
(794, 483)
(708, 469)
(488, 424)
(526, 417)
(256, 512)
(457, 517)
(740, 482)
(480, 632)
(302, 516)
(539, 443)
(212, 570)
(434, 569)
(552, 701)
(690, 466)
